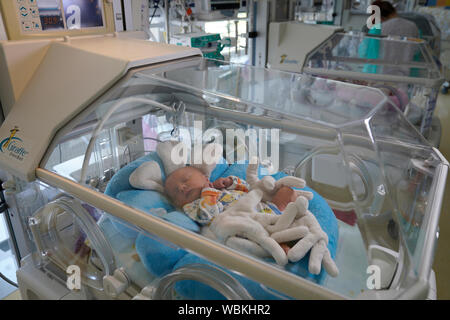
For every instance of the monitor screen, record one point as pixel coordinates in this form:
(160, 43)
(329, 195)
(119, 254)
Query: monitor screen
(38, 16)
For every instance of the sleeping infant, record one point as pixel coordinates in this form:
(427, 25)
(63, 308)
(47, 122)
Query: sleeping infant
(202, 200)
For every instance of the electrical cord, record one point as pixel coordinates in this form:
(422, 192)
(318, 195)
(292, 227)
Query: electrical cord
(156, 7)
(154, 11)
(8, 281)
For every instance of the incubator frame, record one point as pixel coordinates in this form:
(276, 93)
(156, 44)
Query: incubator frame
(253, 268)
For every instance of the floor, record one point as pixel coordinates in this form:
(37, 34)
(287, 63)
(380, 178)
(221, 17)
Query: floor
(13, 296)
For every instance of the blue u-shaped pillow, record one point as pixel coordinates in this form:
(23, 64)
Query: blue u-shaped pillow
(160, 257)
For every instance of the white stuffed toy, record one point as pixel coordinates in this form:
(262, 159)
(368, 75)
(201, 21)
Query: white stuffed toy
(296, 222)
(243, 228)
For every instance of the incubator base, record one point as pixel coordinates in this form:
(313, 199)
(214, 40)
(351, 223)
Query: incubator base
(50, 284)
(34, 284)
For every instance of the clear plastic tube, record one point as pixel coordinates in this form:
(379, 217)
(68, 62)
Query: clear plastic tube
(212, 276)
(105, 118)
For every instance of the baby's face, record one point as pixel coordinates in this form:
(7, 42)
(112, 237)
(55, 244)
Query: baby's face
(185, 185)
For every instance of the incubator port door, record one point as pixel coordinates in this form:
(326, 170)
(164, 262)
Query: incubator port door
(68, 239)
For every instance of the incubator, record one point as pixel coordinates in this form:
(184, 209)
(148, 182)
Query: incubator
(404, 68)
(377, 183)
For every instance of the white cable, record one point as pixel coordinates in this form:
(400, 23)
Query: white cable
(99, 127)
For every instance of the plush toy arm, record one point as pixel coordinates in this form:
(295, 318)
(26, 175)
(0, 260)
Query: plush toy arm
(246, 205)
(147, 176)
(269, 186)
(307, 194)
(247, 246)
(316, 240)
(298, 223)
(299, 250)
(290, 234)
(293, 210)
(321, 255)
(225, 226)
(290, 181)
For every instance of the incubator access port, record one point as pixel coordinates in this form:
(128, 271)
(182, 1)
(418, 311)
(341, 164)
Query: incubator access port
(225, 284)
(66, 234)
(383, 263)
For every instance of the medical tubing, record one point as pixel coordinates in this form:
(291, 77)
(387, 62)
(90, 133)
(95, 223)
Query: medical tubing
(8, 281)
(212, 276)
(100, 125)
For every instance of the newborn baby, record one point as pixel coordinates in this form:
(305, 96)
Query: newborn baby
(202, 200)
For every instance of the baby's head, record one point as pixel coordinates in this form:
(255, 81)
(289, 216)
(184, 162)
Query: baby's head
(185, 185)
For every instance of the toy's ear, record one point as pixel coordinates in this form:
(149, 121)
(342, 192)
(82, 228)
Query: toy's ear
(212, 153)
(173, 155)
(147, 176)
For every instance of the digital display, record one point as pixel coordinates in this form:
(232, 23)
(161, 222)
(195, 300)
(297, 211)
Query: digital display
(58, 15)
(50, 14)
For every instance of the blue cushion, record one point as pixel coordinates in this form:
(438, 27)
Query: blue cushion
(147, 200)
(159, 256)
(220, 168)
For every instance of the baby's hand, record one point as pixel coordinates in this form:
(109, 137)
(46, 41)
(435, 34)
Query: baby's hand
(283, 197)
(223, 183)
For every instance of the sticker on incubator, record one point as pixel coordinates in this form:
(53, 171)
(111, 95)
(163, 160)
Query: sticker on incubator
(14, 146)
(284, 60)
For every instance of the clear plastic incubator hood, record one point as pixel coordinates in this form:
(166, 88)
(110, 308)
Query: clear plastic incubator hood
(73, 139)
(404, 68)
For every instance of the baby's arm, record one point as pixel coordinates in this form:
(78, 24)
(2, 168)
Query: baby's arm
(231, 183)
(203, 210)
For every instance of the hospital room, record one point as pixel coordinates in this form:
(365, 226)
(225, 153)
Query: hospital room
(224, 150)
